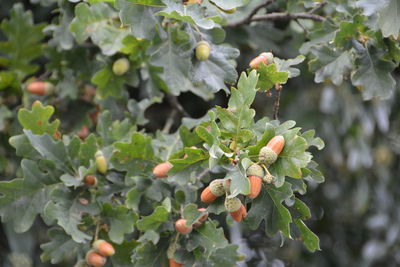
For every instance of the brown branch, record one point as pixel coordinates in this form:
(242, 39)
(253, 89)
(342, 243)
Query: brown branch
(278, 89)
(281, 16)
(173, 100)
(247, 19)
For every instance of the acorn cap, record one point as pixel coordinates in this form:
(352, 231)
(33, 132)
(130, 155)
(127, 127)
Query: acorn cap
(217, 187)
(267, 156)
(255, 170)
(232, 204)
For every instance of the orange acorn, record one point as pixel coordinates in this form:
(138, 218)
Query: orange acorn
(161, 170)
(90, 180)
(181, 227)
(266, 58)
(104, 248)
(202, 219)
(40, 88)
(239, 214)
(269, 153)
(255, 173)
(235, 208)
(255, 186)
(95, 259)
(214, 190)
(173, 263)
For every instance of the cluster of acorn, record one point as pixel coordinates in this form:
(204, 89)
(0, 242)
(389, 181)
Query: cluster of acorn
(97, 256)
(256, 175)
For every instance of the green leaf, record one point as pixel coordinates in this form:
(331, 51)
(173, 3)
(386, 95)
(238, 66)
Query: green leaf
(313, 141)
(121, 221)
(37, 120)
(283, 65)
(224, 257)
(21, 48)
(269, 76)
(268, 207)
(108, 84)
(300, 210)
(66, 209)
(207, 236)
(192, 14)
(193, 156)
(95, 22)
(140, 147)
(330, 65)
(147, 254)
(310, 239)
(150, 235)
(229, 4)
(52, 150)
(373, 74)
(154, 220)
(141, 18)
(22, 199)
(191, 213)
(60, 248)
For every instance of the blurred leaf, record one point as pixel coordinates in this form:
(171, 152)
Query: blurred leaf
(207, 236)
(153, 221)
(108, 84)
(121, 221)
(59, 248)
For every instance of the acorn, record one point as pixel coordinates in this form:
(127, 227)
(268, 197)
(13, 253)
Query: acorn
(173, 263)
(255, 173)
(104, 248)
(202, 219)
(269, 153)
(120, 66)
(265, 57)
(235, 207)
(95, 259)
(161, 170)
(40, 88)
(181, 227)
(203, 50)
(90, 180)
(214, 190)
(101, 162)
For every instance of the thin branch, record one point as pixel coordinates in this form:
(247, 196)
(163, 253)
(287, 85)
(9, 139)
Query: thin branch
(173, 100)
(281, 16)
(288, 16)
(170, 121)
(278, 89)
(247, 19)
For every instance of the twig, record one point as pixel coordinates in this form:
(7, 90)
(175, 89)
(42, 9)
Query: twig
(96, 235)
(278, 89)
(301, 26)
(247, 19)
(170, 121)
(173, 100)
(204, 173)
(279, 16)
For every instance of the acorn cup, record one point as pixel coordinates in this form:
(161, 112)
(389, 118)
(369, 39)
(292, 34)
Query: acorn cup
(161, 170)
(214, 190)
(255, 173)
(269, 153)
(235, 207)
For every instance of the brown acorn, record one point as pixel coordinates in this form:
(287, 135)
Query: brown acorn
(180, 226)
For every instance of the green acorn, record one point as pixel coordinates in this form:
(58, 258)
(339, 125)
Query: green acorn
(203, 50)
(120, 66)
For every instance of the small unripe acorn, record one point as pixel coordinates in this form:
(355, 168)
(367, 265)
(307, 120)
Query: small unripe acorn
(95, 259)
(255, 170)
(40, 88)
(103, 248)
(202, 50)
(180, 226)
(120, 66)
(269, 56)
(90, 180)
(161, 170)
(101, 162)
